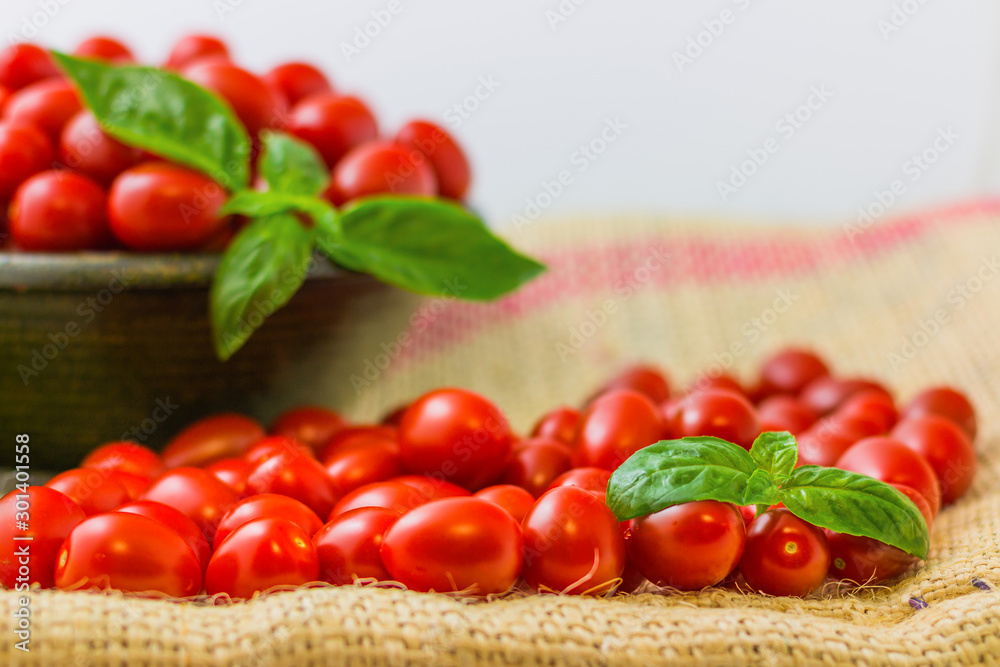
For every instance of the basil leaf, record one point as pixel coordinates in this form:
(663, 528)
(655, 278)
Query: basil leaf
(761, 490)
(847, 502)
(259, 272)
(430, 246)
(165, 114)
(292, 166)
(254, 203)
(776, 452)
(671, 472)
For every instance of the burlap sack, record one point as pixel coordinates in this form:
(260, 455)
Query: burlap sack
(912, 302)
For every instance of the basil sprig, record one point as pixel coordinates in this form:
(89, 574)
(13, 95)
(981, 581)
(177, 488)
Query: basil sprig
(426, 245)
(672, 472)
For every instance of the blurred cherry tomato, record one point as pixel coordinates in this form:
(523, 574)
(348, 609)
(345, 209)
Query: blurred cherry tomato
(397, 496)
(356, 437)
(134, 485)
(296, 476)
(785, 413)
(24, 152)
(890, 461)
(717, 413)
(177, 521)
(380, 167)
(124, 456)
(84, 147)
(559, 424)
(647, 380)
(826, 394)
(446, 158)
(259, 555)
(104, 48)
(784, 555)
(348, 547)
(48, 516)
(515, 500)
(572, 543)
(296, 81)
(537, 463)
(823, 443)
(275, 445)
(946, 448)
(128, 552)
(195, 47)
(267, 505)
(95, 490)
(197, 494)
(356, 467)
(689, 546)
(944, 402)
(211, 439)
(23, 64)
(454, 544)
(873, 405)
(59, 211)
(255, 103)
(47, 105)
(232, 472)
(431, 487)
(311, 425)
(614, 426)
(594, 480)
(333, 124)
(790, 370)
(717, 381)
(863, 560)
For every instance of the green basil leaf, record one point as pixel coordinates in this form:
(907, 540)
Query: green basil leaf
(165, 114)
(254, 203)
(292, 166)
(776, 452)
(259, 272)
(761, 489)
(671, 472)
(847, 502)
(430, 246)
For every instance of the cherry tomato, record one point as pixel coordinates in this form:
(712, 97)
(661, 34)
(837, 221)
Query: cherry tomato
(863, 560)
(515, 500)
(647, 380)
(84, 147)
(718, 413)
(615, 426)
(784, 555)
(872, 405)
(259, 555)
(790, 370)
(5, 94)
(891, 461)
(826, 394)
(380, 168)
(333, 124)
(311, 425)
(24, 152)
(457, 434)
(356, 437)
(267, 505)
(451, 168)
(195, 47)
(823, 443)
(128, 552)
(946, 448)
(689, 546)
(95, 490)
(23, 64)
(594, 480)
(160, 207)
(348, 547)
(59, 211)
(211, 439)
(559, 424)
(785, 413)
(944, 402)
(454, 544)
(48, 517)
(354, 468)
(296, 476)
(125, 456)
(47, 105)
(431, 487)
(918, 500)
(197, 494)
(231, 472)
(296, 81)
(134, 485)
(537, 463)
(275, 445)
(104, 48)
(177, 521)
(254, 102)
(397, 496)
(572, 543)
(717, 381)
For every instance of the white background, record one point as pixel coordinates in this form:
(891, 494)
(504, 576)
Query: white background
(686, 127)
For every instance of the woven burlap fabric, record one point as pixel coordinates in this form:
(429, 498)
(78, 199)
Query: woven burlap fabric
(911, 302)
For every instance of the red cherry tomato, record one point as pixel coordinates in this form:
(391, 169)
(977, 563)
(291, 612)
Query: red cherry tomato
(255, 103)
(125, 456)
(311, 425)
(24, 152)
(784, 555)
(95, 490)
(104, 48)
(647, 380)
(826, 394)
(918, 500)
(824, 442)
(891, 461)
(718, 413)
(212, 439)
(59, 211)
(785, 413)
(863, 560)
(689, 546)
(348, 547)
(356, 467)
(231, 472)
(872, 405)
(559, 424)
(296, 81)
(128, 552)
(380, 168)
(296, 476)
(454, 544)
(790, 370)
(397, 496)
(23, 64)
(717, 381)
(134, 485)
(49, 516)
(944, 402)
(356, 437)
(267, 505)
(195, 47)
(177, 521)
(84, 147)
(537, 463)
(946, 448)
(333, 124)
(457, 434)
(47, 105)
(572, 543)
(160, 207)
(431, 487)
(594, 480)
(275, 445)
(515, 500)
(197, 494)
(5, 94)
(615, 426)
(259, 555)
(451, 168)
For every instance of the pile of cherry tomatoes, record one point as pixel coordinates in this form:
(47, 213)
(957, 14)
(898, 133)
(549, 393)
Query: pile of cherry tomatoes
(442, 495)
(66, 185)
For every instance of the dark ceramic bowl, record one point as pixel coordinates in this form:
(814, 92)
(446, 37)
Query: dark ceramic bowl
(98, 346)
